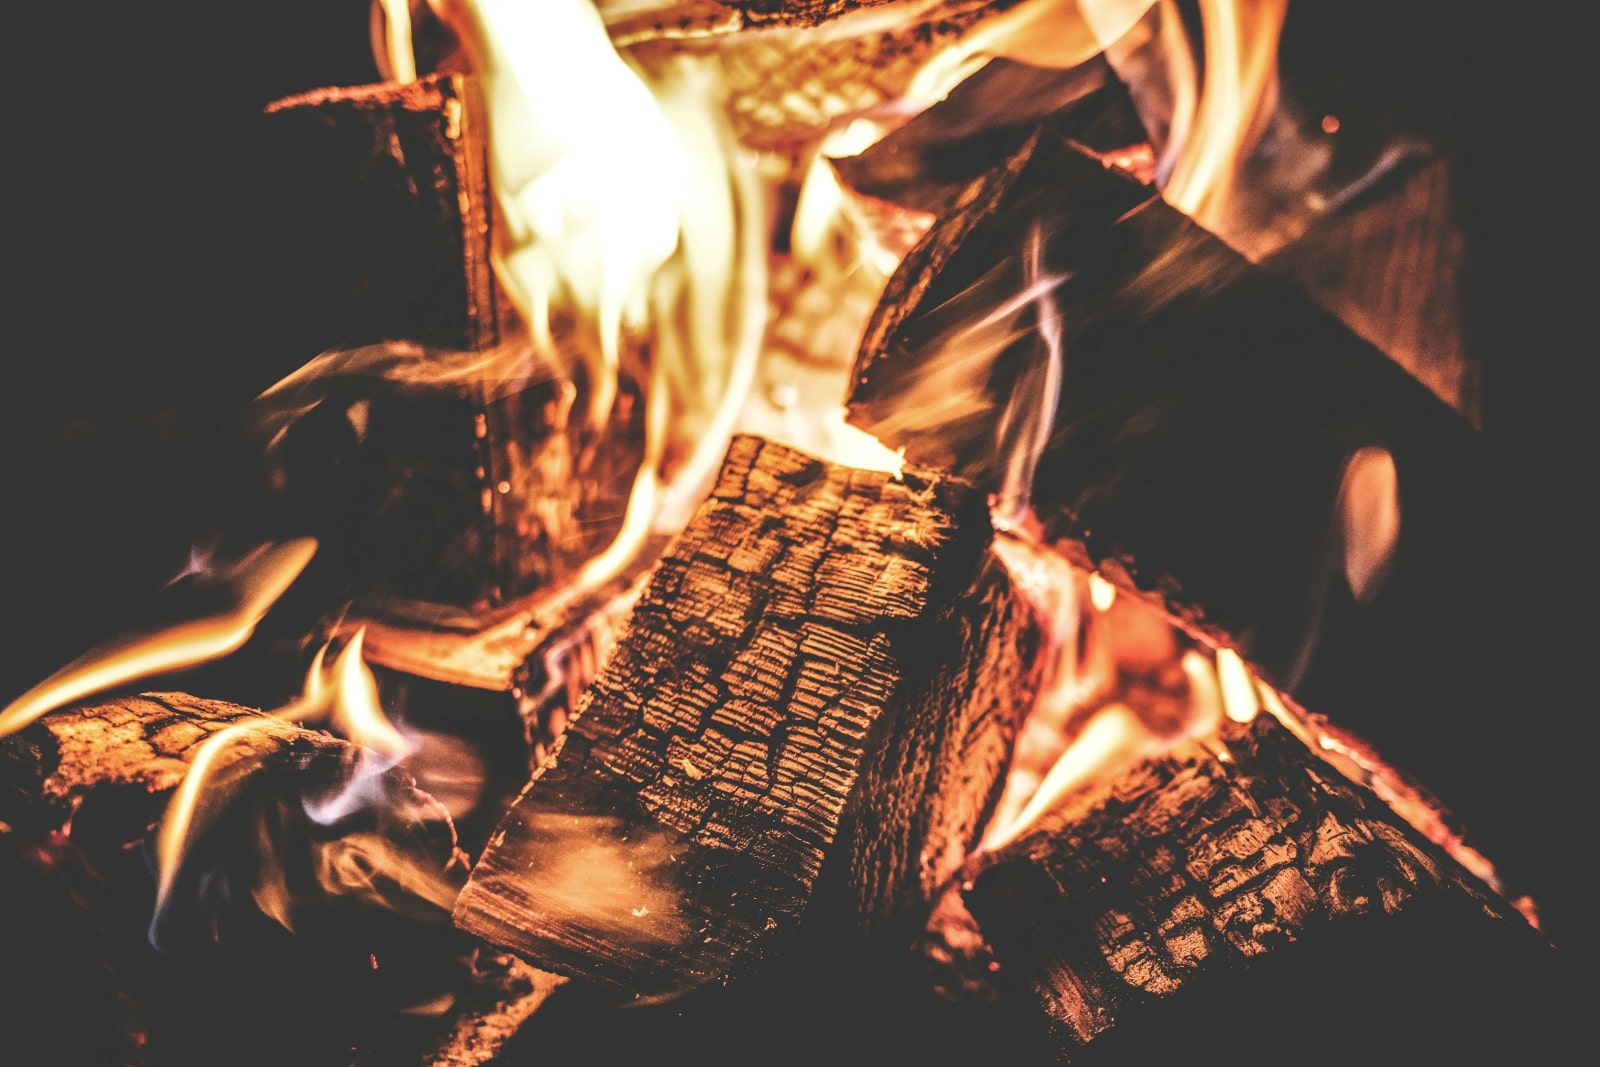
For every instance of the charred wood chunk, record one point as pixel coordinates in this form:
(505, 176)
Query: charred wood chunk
(381, 211)
(1207, 436)
(445, 486)
(340, 922)
(808, 713)
(1252, 896)
(926, 164)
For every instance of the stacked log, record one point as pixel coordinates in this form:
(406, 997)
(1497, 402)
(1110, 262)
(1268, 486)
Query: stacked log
(804, 725)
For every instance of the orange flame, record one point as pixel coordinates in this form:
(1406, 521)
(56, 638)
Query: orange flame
(254, 582)
(1369, 512)
(345, 697)
(1239, 88)
(1239, 698)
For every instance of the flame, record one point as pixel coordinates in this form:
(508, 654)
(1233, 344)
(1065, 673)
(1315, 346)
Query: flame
(355, 712)
(629, 233)
(1369, 514)
(391, 40)
(1102, 594)
(344, 696)
(591, 179)
(252, 584)
(1240, 40)
(1239, 698)
(1125, 684)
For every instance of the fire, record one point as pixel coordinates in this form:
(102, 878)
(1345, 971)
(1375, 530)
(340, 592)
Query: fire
(1239, 698)
(1369, 512)
(1240, 41)
(634, 238)
(248, 586)
(363, 865)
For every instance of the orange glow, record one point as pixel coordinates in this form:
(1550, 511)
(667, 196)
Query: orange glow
(1239, 700)
(1111, 741)
(1369, 516)
(1102, 594)
(1239, 87)
(344, 696)
(254, 582)
(1204, 685)
(391, 40)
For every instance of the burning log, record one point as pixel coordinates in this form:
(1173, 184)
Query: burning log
(1209, 438)
(449, 469)
(1245, 895)
(380, 197)
(81, 793)
(808, 715)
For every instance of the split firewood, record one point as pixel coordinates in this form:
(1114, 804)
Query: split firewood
(1239, 893)
(379, 195)
(344, 927)
(805, 722)
(1207, 437)
(448, 463)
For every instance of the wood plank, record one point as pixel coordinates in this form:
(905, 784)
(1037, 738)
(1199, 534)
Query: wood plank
(1246, 893)
(82, 791)
(804, 724)
(1194, 434)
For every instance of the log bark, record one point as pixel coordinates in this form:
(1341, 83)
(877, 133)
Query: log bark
(450, 464)
(381, 199)
(810, 708)
(82, 789)
(1244, 895)
(1194, 424)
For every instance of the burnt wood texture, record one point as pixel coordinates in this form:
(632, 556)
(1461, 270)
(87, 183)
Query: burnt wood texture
(806, 718)
(1193, 424)
(82, 791)
(1245, 895)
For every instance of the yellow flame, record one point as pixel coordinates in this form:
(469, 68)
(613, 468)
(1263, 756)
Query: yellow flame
(1369, 513)
(625, 215)
(1239, 88)
(1046, 33)
(255, 582)
(357, 712)
(391, 40)
(591, 178)
(1239, 700)
(1102, 594)
(344, 695)
(1109, 742)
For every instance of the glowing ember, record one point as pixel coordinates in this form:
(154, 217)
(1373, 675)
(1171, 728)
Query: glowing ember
(1369, 513)
(1238, 688)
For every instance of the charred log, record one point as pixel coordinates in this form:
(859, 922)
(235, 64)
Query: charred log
(1245, 895)
(807, 717)
(1191, 425)
(382, 193)
(83, 792)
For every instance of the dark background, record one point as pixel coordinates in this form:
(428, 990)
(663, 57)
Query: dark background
(137, 325)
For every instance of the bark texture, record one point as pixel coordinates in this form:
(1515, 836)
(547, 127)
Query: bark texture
(1189, 888)
(81, 791)
(1183, 421)
(814, 697)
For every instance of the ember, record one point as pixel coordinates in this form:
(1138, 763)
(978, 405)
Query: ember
(921, 530)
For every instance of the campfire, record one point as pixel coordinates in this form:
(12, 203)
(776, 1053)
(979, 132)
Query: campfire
(922, 530)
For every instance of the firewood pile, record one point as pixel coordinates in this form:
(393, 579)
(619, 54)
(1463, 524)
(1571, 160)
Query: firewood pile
(742, 798)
